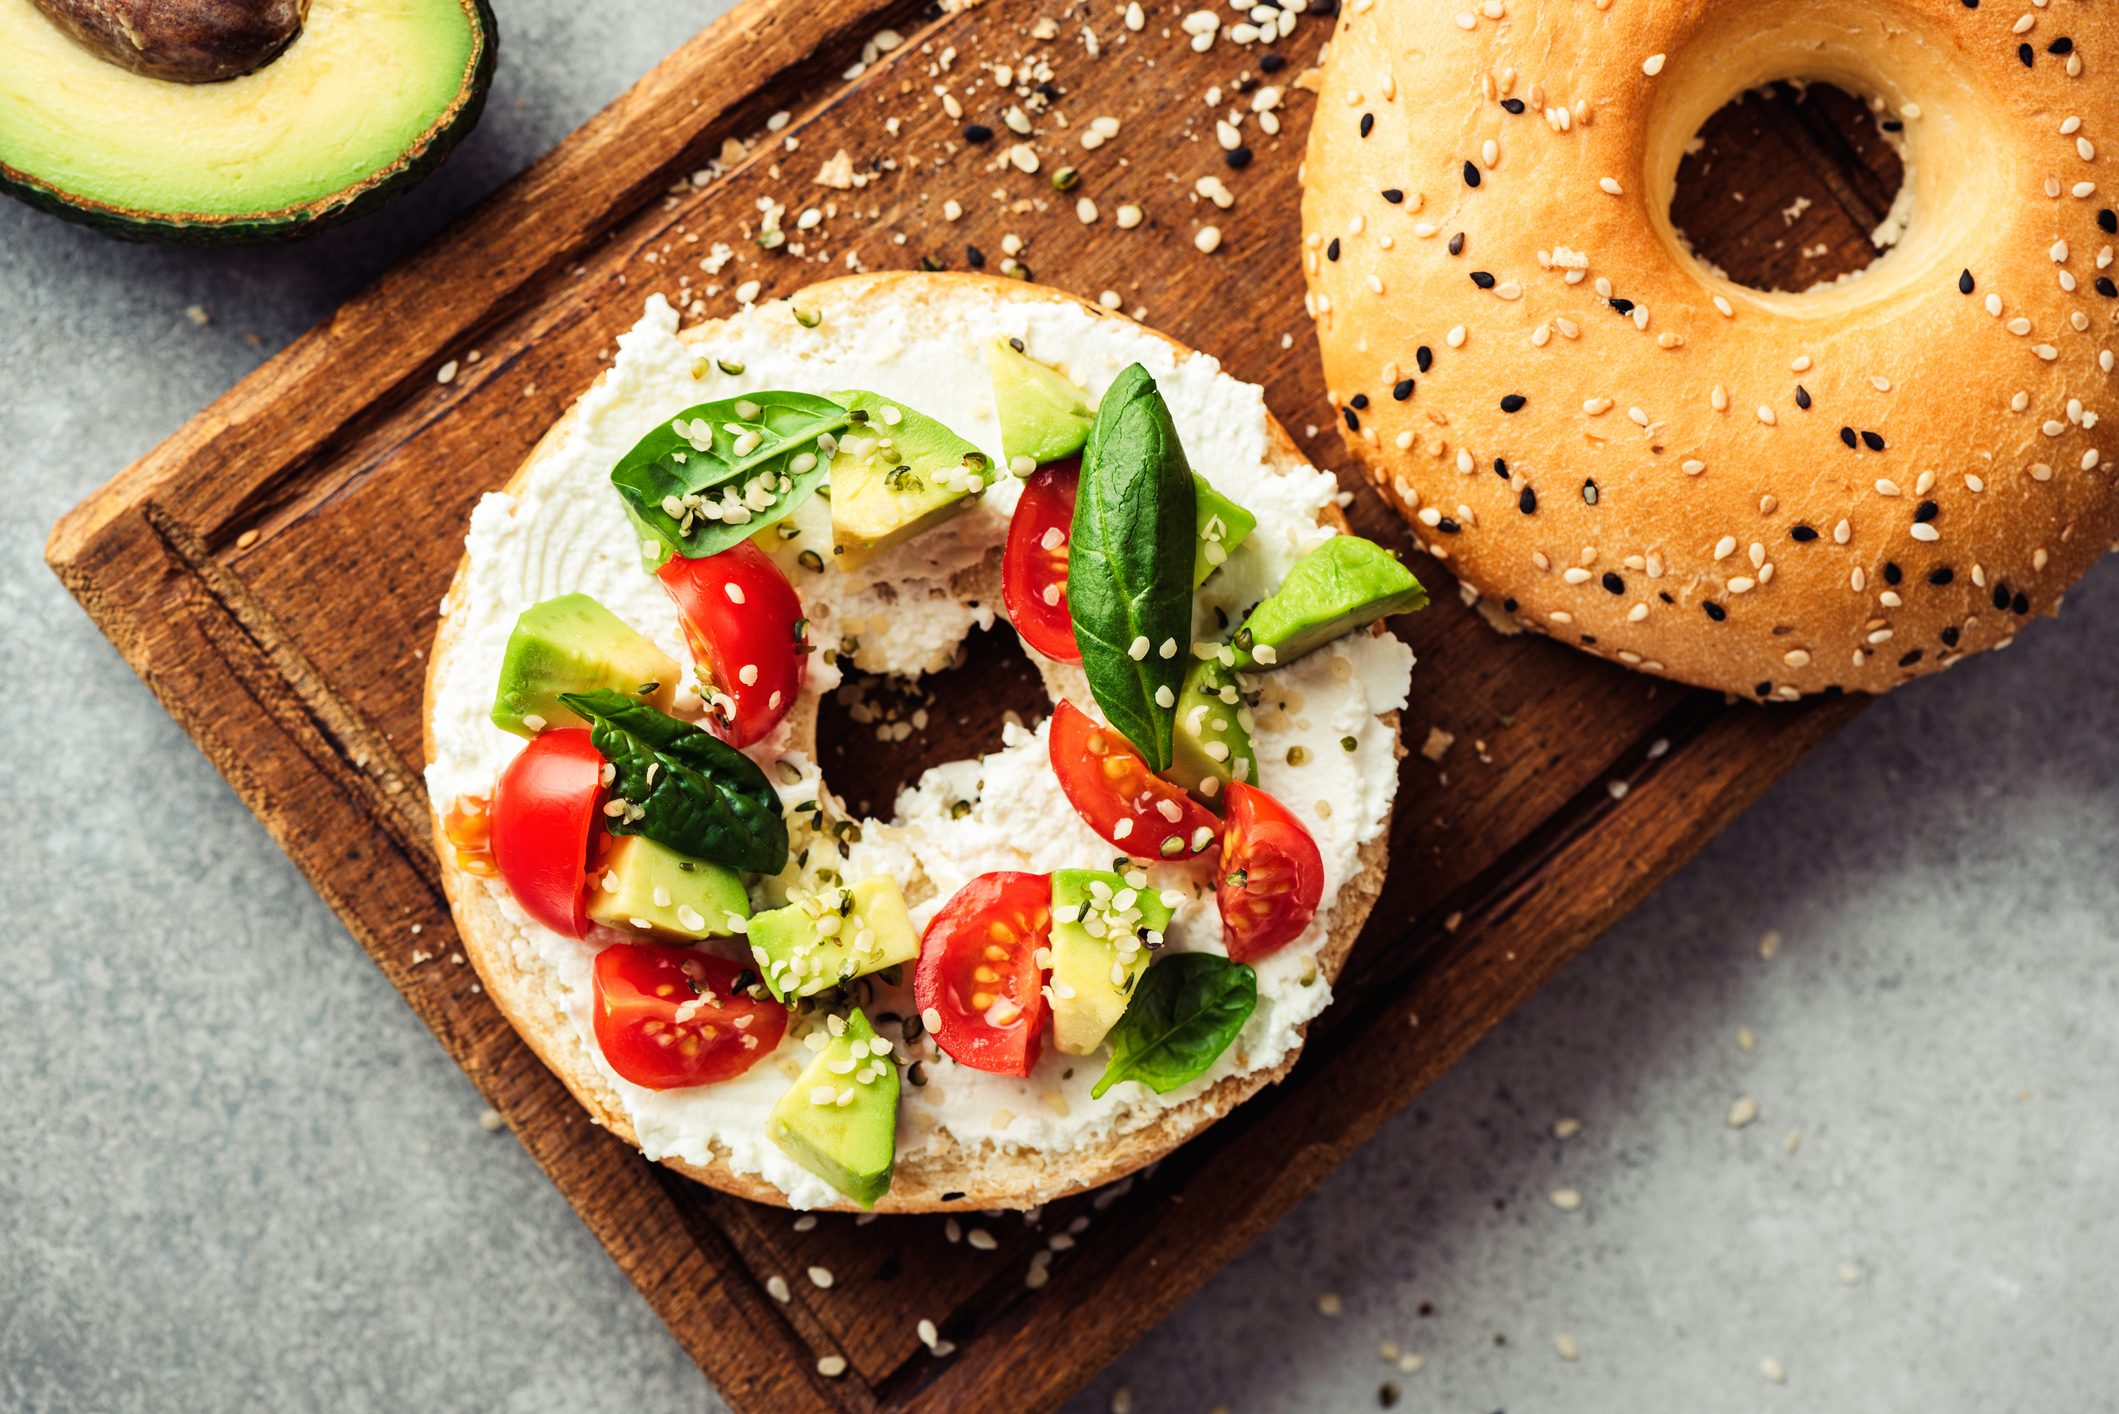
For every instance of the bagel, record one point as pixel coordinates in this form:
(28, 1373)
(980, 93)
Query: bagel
(1772, 494)
(558, 528)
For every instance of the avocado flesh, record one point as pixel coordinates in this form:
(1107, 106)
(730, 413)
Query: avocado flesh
(652, 891)
(851, 1146)
(1212, 745)
(1042, 415)
(1092, 977)
(1223, 525)
(366, 98)
(574, 644)
(874, 505)
(1344, 584)
(798, 961)
(806, 528)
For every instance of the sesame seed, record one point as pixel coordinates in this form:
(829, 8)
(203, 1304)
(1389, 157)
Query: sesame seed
(1471, 173)
(820, 1277)
(1208, 240)
(1743, 1112)
(1567, 1200)
(1651, 67)
(1611, 186)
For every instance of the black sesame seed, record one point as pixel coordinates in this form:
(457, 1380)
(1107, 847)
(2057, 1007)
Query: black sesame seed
(976, 256)
(1715, 611)
(2001, 596)
(1508, 606)
(1873, 440)
(1589, 493)
(1456, 244)
(1846, 434)
(1402, 389)
(1613, 583)
(1528, 501)
(1926, 512)
(1623, 306)
(977, 132)
(2106, 288)
(1949, 636)
(1393, 195)
(1425, 357)
(1513, 105)
(1272, 63)
(1764, 689)
(1353, 423)
(2024, 52)
(1586, 638)
(1447, 526)
(951, 1197)
(1835, 690)
(1965, 283)
(1892, 573)
(1483, 280)
(2021, 604)
(1910, 659)
(1971, 4)
(1941, 576)
(1892, 125)
(2108, 221)
(1360, 400)
(1237, 157)
(1802, 397)
(1513, 402)
(1368, 125)
(1802, 533)
(1018, 346)
(2062, 45)
(1471, 174)
(1501, 468)
(1331, 252)
(1324, 7)
(890, 1269)
(1664, 595)
(1050, 93)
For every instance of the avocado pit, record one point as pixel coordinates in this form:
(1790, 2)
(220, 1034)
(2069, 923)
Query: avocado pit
(183, 41)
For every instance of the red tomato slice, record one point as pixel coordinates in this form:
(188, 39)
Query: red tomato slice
(1110, 786)
(979, 972)
(543, 808)
(1271, 875)
(744, 623)
(1034, 572)
(668, 1018)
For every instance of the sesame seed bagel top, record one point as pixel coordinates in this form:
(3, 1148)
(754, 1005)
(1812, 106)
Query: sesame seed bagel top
(1772, 494)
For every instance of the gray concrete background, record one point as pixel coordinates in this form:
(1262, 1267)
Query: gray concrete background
(237, 1174)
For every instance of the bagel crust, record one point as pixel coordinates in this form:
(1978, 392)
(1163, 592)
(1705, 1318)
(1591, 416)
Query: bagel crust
(1773, 494)
(944, 1171)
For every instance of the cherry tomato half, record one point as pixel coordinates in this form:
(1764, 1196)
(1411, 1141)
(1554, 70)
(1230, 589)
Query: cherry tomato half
(1034, 572)
(978, 970)
(1109, 785)
(1271, 875)
(668, 1018)
(744, 623)
(543, 809)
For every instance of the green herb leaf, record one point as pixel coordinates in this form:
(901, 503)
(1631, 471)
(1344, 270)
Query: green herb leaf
(1185, 1011)
(688, 789)
(699, 496)
(1129, 574)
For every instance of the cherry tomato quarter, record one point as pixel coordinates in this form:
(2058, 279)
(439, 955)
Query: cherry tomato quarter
(1109, 785)
(668, 1018)
(744, 623)
(1271, 875)
(979, 985)
(1034, 570)
(542, 813)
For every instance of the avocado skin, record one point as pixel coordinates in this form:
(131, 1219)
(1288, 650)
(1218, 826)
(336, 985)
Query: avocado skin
(181, 41)
(412, 167)
(1344, 584)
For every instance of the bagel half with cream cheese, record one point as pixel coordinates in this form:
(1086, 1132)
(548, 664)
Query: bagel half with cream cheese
(990, 1141)
(1773, 494)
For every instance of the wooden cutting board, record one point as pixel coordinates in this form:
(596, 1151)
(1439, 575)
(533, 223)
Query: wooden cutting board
(273, 570)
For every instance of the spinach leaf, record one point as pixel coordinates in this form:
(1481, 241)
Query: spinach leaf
(1129, 572)
(683, 786)
(698, 494)
(1186, 1010)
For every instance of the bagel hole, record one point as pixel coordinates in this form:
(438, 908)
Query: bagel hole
(1785, 187)
(953, 715)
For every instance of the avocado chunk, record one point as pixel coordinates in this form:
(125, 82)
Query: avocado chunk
(840, 1121)
(1344, 584)
(1223, 525)
(1043, 416)
(574, 644)
(359, 105)
(818, 942)
(897, 473)
(644, 887)
(1101, 930)
(1213, 740)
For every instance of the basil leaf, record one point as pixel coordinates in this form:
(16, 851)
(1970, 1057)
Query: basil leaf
(1186, 1010)
(1129, 571)
(688, 789)
(738, 494)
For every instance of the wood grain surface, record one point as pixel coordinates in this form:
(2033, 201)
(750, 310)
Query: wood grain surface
(273, 571)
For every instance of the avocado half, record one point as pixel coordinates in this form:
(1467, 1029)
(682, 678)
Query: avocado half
(362, 105)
